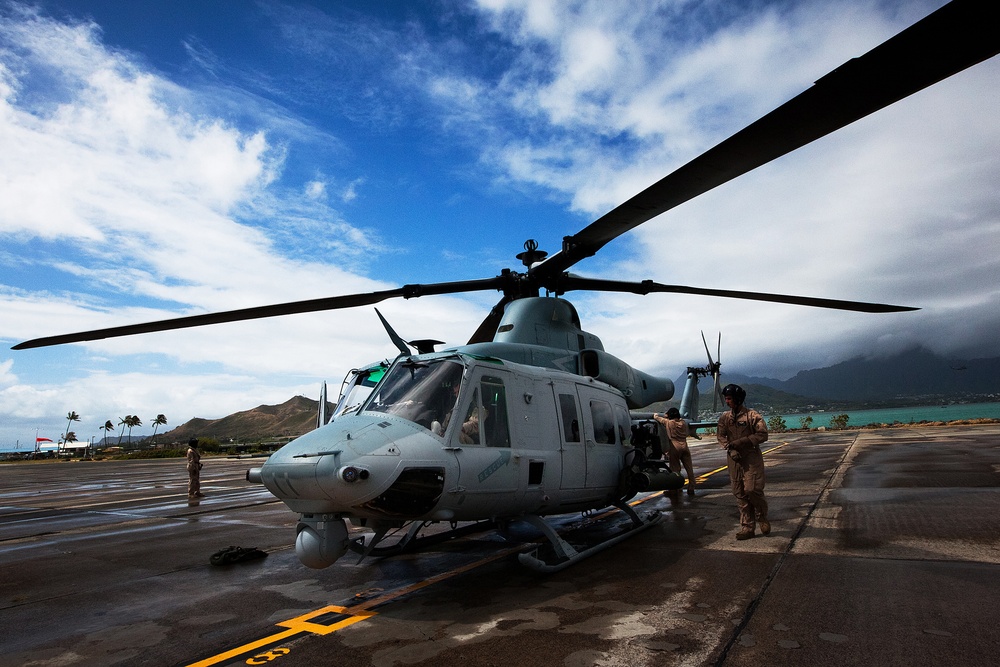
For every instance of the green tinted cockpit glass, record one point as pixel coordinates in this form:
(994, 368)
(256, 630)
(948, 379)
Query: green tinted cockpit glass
(373, 376)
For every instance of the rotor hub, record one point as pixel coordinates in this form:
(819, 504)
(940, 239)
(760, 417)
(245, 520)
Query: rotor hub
(531, 253)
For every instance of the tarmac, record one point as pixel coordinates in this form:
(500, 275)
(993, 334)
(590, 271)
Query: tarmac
(884, 549)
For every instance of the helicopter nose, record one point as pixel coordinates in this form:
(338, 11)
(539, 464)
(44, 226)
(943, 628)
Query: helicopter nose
(296, 481)
(319, 472)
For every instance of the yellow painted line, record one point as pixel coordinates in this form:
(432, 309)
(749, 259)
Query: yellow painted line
(705, 476)
(295, 626)
(699, 479)
(779, 446)
(246, 648)
(375, 602)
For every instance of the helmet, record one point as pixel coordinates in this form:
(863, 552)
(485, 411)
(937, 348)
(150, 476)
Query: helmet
(737, 392)
(673, 413)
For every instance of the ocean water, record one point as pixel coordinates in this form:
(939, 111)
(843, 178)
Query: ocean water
(902, 415)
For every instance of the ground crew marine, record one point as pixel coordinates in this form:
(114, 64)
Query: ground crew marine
(194, 469)
(676, 430)
(741, 432)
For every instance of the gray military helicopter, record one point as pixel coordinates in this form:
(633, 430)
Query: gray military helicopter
(531, 418)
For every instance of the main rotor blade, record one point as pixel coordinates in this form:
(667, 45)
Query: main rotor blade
(570, 283)
(488, 328)
(955, 37)
(307, 306)
(707, 353)
(718, 359)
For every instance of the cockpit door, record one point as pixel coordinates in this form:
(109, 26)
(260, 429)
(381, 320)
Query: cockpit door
(571, 445)
(600, 434)
(480, 438)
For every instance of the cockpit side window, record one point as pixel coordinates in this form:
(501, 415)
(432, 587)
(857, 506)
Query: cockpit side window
(423, 392)
(357, 387)
(495, 428)
(469, 432)
(624, 422)
(604, 423)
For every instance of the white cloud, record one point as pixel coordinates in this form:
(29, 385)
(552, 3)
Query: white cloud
(315, 189)
(350, 192)
(624, 104)
(106, 158)
(6, 376)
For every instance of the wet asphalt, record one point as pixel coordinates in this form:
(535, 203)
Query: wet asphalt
(884, 549)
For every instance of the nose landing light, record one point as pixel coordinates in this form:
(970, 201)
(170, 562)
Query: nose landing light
(352, 474)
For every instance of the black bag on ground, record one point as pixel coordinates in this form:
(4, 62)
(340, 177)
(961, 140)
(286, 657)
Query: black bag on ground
(236, 555)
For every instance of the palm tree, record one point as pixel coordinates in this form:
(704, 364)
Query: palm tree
(108, 426)
(132, 422)
(159, 421)
(123, 422)
(71, 417)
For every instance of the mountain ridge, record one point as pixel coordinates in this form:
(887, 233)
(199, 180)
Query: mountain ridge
(292, 418)
(914, 374)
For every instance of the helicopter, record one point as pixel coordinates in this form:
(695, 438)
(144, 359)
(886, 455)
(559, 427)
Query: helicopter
(532, 417)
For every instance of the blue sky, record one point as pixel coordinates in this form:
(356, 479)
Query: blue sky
(170, 158)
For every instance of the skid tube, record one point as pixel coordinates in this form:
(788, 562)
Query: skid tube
(370, 545)
(566, 554)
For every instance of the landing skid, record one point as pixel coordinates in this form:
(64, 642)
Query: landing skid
(559, 554)
(379, 544)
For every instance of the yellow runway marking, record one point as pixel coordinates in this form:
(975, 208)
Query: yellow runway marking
(304, 624)
(301, 625)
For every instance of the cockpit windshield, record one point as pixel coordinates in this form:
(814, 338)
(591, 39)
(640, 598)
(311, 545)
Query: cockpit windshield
(423, 392)
(357, 387)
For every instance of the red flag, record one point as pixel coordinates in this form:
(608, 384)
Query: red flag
(42, 440)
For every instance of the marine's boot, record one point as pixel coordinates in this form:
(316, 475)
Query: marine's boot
(744, 534)
(765, 526)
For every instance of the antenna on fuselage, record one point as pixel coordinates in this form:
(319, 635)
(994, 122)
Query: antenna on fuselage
(394, 337)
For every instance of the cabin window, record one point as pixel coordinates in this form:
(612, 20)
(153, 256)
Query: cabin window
(624, 422)
(604, 422)
(495, 429)
(423, 392)
(570, 420)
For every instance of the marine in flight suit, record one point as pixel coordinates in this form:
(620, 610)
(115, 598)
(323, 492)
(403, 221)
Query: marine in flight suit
(194, 469)
(741, 432)
(677, 433)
